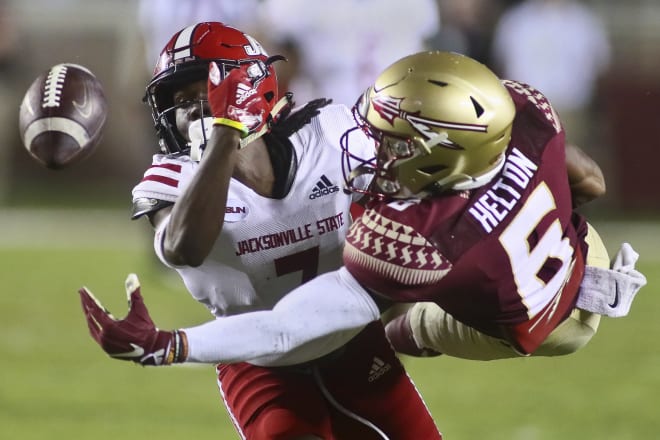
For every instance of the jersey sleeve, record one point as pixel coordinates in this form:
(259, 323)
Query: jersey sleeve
(162, 183)
(159, 235)
(311, 321)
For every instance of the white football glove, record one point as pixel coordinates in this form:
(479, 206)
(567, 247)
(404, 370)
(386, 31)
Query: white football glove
(610, 292)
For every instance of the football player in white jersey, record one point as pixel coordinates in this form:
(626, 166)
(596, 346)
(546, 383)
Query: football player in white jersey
(246, 203)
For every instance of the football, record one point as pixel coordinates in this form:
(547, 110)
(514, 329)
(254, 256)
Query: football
(62, 115)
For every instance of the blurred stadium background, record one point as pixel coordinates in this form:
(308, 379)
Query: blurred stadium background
(62, 229)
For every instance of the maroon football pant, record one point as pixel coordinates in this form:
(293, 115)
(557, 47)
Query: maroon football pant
(361, 392)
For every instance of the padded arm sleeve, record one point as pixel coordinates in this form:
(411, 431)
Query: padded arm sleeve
(309, 322)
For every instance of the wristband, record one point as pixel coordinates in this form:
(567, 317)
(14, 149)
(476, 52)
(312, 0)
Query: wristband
(178, 352)
(233, 124)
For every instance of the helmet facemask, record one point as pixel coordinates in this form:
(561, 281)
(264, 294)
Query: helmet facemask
(159, 97)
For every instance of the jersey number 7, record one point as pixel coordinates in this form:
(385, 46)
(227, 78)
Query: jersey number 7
(306, 261)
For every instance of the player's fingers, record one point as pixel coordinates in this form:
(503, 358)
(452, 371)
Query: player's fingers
(132, 284)
(96, 315)
(214, 73)
(90, 300)
(133, 296)
(136, 307)
(93, 305)
(95, 328)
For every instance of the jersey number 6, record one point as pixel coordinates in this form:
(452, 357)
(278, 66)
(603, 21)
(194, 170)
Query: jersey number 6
(528, 259)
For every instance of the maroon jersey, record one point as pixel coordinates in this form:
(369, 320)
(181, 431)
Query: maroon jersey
(506, 258)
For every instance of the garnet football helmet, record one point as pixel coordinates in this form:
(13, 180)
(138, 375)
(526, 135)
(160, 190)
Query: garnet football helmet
(186, 58)
(441, 121)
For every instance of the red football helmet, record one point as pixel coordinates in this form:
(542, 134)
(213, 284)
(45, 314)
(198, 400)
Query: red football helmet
(186, 58)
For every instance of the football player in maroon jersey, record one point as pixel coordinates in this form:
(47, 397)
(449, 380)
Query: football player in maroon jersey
(244, 201)
(476, 220)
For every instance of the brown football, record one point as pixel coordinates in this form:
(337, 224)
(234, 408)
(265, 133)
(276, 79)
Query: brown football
(62, 115)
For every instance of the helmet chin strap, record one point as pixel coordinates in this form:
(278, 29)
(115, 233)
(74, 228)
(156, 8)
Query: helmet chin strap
(482, 179)
(354, 174)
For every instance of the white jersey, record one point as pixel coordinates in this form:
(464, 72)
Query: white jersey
(269, 246)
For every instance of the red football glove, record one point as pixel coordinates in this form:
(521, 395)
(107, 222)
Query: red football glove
(236, 101)
(134, 338)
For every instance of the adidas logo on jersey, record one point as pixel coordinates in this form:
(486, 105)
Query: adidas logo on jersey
(378, 368)
(323, 187)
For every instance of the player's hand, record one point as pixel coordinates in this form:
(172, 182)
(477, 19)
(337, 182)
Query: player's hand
(632, 280)
(610, 292)
(134, 338)
(236, 100)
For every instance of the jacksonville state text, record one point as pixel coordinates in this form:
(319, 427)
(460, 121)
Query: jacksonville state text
(290, 236)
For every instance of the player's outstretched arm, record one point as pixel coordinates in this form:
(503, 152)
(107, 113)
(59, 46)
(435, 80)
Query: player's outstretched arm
(309, 322)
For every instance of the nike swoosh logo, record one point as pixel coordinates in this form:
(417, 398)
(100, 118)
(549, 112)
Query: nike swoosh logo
(136, 352)
(83, 108)
(616, 297)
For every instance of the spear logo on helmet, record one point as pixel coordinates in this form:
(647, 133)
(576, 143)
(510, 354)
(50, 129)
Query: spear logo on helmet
(389, 108)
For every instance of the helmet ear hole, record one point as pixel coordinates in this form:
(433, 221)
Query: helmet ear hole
(438, 83)
(430, 170)
(478, 109)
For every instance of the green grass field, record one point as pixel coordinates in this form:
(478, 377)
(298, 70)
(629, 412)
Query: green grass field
(57, 384)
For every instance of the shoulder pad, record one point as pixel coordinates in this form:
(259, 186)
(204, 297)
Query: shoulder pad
(146, 205)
